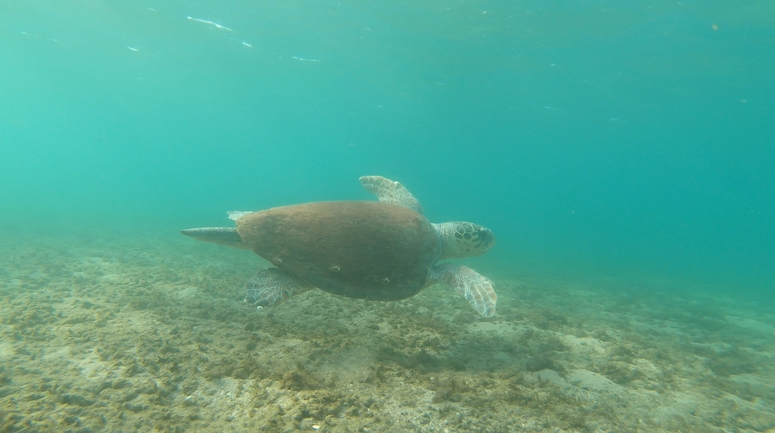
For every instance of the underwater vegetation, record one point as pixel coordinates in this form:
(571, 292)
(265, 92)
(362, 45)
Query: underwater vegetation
(123, 334)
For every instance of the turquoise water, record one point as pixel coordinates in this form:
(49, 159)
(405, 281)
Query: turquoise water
(620, 136)
(599, 140)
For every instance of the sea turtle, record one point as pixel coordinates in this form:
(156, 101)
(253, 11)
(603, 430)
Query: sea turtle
(384, 250)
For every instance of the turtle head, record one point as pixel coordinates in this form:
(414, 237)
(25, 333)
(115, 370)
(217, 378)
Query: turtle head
(464, 239)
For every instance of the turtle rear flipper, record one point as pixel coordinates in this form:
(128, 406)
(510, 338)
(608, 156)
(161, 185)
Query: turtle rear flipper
(234, 215)
(272, 286)
(217, 235)
(469, 284)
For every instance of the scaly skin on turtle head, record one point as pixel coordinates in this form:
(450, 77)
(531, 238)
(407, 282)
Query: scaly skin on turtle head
(464, 239)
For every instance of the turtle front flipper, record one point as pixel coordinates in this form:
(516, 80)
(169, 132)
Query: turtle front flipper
(473, 286)
(388, 191)
(272, 286)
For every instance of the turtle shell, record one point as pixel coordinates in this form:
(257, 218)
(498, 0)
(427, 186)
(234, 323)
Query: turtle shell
(358, 249)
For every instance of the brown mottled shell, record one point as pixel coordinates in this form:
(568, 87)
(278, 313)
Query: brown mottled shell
(365, 250)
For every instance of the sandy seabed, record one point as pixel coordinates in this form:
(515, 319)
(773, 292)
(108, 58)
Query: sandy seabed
(125, 332)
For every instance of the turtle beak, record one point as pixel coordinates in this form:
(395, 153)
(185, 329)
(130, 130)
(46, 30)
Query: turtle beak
(487, 238)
